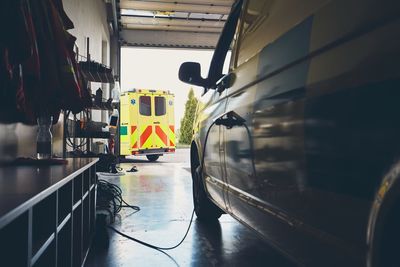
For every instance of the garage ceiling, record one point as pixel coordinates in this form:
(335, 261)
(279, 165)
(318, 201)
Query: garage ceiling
(168, 23)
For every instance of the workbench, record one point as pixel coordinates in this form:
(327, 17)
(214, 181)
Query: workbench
(47, 213)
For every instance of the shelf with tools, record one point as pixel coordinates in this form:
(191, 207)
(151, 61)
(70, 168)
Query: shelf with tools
(78, 132)
(81, 128)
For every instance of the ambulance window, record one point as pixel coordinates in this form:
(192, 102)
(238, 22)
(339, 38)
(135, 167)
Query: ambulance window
(145, 105)
(161, 108)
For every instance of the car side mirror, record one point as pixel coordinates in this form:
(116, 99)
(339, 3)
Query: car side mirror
(190, 72)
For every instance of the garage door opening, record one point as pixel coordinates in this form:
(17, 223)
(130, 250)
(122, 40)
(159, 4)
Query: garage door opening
(157, 69)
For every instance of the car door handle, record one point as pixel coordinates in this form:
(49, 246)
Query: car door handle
(230, 119)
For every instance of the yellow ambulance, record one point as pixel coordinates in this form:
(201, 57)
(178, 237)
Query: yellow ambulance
(147, 123)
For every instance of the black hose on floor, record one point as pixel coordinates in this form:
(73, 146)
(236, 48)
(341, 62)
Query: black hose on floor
(161, 249)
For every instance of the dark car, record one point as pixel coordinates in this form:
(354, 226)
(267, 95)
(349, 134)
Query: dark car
(300, 140)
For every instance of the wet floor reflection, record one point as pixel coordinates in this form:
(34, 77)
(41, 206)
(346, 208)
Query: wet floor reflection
(163, 192)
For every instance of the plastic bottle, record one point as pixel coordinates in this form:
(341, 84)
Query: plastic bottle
(44, 137)
(116, 92)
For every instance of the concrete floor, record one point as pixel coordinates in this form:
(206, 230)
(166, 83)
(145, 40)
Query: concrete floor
(163, 192)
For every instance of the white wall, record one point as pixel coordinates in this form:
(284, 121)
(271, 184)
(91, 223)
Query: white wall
(90, 20)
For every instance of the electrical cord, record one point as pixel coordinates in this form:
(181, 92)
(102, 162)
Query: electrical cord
(69, 141)
(153, 246)
(219, 121)
(191, 218)
(109, 196)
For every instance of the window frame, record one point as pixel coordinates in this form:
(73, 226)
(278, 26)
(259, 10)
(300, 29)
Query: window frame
(140, 106)
(165, 106)
(224, 45)
(236, 45)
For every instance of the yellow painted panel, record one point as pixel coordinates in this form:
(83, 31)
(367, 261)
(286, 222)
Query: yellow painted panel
(145, 132)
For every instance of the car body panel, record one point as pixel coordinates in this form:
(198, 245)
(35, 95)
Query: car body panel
(319, 100)
(212, 105)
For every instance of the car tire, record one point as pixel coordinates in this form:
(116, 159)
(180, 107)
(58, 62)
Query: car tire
(204, 208)
(388, 254)
(152, 158)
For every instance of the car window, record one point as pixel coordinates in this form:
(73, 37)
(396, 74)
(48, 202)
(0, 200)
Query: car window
(160, 105)
(145, 105)
(264, 21)
(252, 18)
(223, 45)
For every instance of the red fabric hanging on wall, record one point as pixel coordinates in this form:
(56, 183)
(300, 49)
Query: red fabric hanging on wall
(38, 70)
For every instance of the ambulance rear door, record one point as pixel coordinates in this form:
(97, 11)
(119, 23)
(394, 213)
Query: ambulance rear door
(160, 121)
(145, 121)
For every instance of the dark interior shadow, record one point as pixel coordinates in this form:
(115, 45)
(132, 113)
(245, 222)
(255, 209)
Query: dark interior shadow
(207, 244)
(214, 246)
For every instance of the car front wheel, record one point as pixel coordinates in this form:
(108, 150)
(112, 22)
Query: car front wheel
(205, 210)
